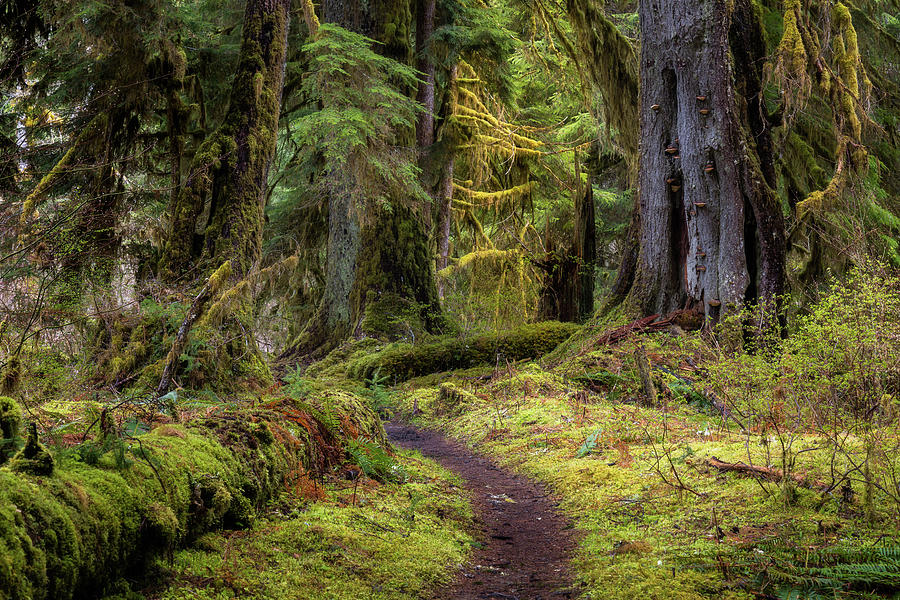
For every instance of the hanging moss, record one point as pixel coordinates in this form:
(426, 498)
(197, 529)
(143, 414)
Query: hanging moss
(399, 363)
(612, 68)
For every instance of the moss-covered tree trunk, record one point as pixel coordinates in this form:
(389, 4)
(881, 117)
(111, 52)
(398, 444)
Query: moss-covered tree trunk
(218, 213)
(227, 179)
(380, 272)
(712, 233)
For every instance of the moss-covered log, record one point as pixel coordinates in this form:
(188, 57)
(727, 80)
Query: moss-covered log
(399, 363)
(109, 506)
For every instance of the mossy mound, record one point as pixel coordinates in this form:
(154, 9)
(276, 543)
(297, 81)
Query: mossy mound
(402, 362)
(71, 531)
(10, 421)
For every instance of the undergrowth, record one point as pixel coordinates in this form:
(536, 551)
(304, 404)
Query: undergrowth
(816, 412)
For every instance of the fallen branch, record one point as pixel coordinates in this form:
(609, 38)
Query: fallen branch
(766, 473)
(686, 319)
(194, 312)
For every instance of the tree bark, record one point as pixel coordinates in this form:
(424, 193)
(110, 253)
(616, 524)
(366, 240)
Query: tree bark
(586, 250)
(425, 10)
(444, 218)
(229, 172)
(712, 232)
(379, 262)
(227, 181)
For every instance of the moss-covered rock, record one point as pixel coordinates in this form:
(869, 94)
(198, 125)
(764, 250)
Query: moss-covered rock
(403, 362)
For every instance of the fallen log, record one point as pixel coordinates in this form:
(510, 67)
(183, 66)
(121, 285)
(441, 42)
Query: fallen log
(74, 523)
(405, 362)
(687, 319)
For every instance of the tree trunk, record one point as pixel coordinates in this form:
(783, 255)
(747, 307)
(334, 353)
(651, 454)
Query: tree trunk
(585, 251)
(712, 232)
(380, 277)
(444, 218)
(228, 175)
(568, 289)
(445, 189)
(425, 10)
(226, 189)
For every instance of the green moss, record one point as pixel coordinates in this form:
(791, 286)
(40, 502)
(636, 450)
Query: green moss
(635, 482)
(452, 400)
(385, 542)
(139, 500)
(160, 526)
(33, 459)
(10, 420)
(403, 362)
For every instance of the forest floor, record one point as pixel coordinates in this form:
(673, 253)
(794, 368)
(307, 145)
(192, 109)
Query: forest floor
(527, 542)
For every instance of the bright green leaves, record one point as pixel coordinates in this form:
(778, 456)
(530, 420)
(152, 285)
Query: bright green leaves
(356, 135)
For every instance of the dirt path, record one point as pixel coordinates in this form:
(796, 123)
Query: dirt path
(527, 541)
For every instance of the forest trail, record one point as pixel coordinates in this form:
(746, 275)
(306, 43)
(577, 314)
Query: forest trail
(528, 542)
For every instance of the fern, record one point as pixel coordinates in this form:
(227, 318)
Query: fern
(379, 396)
(842, 572)
(375, 462)
(589, 445)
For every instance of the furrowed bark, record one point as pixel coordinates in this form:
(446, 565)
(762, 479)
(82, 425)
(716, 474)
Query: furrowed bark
(711, 231)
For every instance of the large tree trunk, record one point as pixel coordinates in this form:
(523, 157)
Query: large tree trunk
(380, 272)
(712, 233)
(231, 168)
(218, 214)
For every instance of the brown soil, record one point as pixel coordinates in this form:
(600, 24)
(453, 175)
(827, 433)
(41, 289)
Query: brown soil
(527, 543)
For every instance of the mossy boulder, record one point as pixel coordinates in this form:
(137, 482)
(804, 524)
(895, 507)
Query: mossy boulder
(402, 362)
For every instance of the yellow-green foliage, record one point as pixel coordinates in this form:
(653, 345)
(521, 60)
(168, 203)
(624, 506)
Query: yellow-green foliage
(98, 521)
(402, 362)
(393, 541)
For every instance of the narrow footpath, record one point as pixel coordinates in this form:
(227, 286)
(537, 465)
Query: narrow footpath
(527, 541)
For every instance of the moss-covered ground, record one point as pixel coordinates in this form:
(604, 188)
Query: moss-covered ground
(656, 520)
(366, 540)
